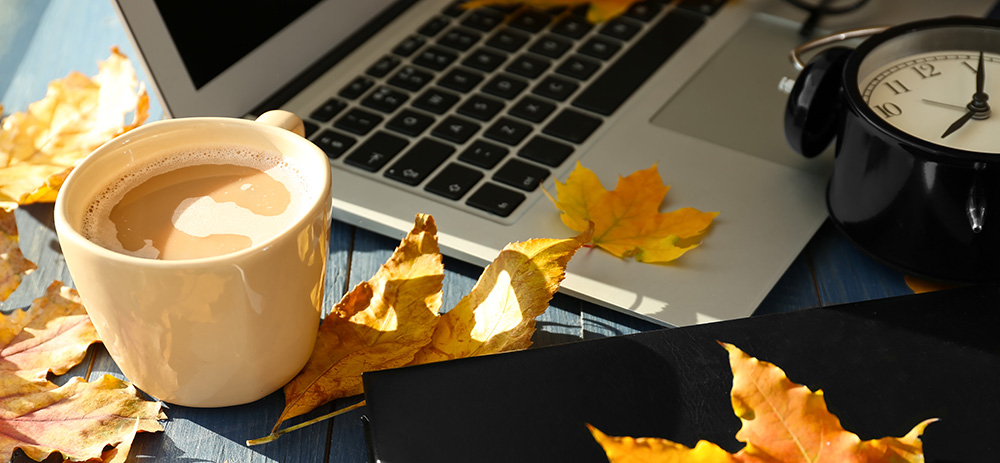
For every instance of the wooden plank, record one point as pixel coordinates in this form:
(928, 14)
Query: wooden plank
(795, 289)
(846, 274)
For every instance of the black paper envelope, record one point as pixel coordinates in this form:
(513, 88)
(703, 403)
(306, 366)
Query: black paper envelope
(883, 365)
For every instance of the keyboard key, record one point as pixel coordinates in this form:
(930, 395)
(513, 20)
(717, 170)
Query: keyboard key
(509, 131)
(455, 129)
(331, 108)
(411, 78)
(705, 7)
(621, 29)
(435, 58)
(573, 27)
(483, 19)
(358, 121)
(644, 11)
(410, 123)
(454, 9)
(461, 80)
(578, 67)
(532, 109)
(382, 67)
(529, 66)
(522, 175)
(551, 46)
(436, 101)
(460, 39)
(376, 151)
(572, 126)
(356, 88)
(310, 128)
(599, 48)
(418, 163)
(545, 151)
(333, 144)
(480, 107)
(434, 26)
(495, 199)
(484, 60)
(504, 86)
(556, 88)
(483, 154)
(408, 46)
(385, 99)
(531, 20)
(508, 40)
(609, 90)
(454, 181)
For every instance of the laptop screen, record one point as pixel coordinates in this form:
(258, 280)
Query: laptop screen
(224, 57)
(224, 31)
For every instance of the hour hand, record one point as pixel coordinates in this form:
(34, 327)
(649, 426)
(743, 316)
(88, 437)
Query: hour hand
(959, 123)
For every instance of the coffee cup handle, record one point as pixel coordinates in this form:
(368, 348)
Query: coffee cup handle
(285, 120)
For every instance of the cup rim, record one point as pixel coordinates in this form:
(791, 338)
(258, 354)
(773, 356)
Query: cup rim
(64, 229)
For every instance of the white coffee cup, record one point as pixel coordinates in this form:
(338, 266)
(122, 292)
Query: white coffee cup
(213, 331)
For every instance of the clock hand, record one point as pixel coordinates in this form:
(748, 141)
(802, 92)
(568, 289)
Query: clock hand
(944, 105)
(978, 108)
(960, 122)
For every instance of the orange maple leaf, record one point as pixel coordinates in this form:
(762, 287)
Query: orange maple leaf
(79, 419)
(782, 422)
(599, 11)
(627, 221)
(39, 147)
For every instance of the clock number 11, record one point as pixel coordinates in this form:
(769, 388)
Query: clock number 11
(897, 87)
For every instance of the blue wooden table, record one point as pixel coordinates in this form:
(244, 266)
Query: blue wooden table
(42, 40)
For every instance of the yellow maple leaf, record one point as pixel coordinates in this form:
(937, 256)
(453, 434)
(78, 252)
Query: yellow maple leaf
(599, 11)
(39, 147)
(498, 315)
(627, 221)
(782, 422)
(381, 323)
(79, 419)
(392, 319)
(13, 266)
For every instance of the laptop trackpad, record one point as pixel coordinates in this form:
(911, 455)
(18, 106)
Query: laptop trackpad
(734, 99)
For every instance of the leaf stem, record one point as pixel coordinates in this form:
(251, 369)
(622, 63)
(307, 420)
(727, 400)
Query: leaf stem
(276, 434)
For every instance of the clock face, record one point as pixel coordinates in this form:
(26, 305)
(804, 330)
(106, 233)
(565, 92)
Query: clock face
(927, 95)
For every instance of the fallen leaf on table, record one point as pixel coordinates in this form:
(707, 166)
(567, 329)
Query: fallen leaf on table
(13, 266)
(498, 315)
(627, 221)
(51, 335)
(39, 147)
(392, 319)
(78, 419)
(599, 11)
(919, 285)
(782, 422)
(381, 323)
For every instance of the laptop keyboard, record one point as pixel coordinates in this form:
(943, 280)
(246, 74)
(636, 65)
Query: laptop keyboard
(477, 107)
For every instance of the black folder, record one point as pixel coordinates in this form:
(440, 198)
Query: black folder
(884, 366)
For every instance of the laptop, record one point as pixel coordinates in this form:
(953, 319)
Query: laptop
(426, 107)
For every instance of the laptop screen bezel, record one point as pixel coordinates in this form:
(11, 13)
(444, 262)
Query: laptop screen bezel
(255, 76)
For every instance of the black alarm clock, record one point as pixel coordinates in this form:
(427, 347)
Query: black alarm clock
(916, 175)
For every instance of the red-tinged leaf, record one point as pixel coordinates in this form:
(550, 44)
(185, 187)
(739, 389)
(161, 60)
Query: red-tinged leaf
(52, 335)
(77, 420)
